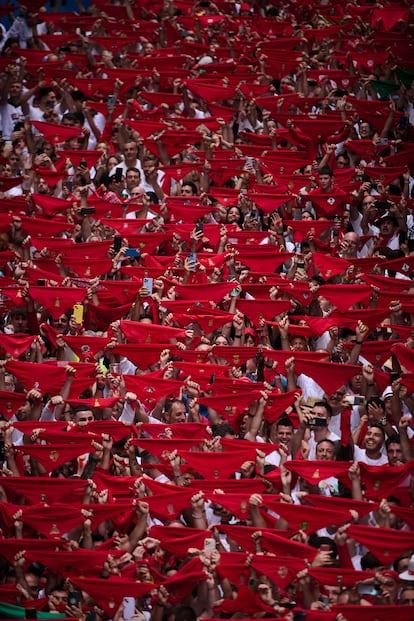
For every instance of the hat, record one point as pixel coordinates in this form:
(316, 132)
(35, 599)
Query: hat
(408, 574)
(387, 216)
(387, 393)
(245, 6)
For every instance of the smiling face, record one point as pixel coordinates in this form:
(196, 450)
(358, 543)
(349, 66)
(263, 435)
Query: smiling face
(373, 441)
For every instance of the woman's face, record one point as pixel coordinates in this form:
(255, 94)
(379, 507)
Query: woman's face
(112, 163)
(221, 340)
(306, 215)
(233, 215)
(102, 146)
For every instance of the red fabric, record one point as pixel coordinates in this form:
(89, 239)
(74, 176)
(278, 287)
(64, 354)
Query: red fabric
(315, 471)
(10, 402)
(329, 375)
(373, 613)
(231, 406)
(52, 521)
(337, 502)
(51, 456)
(217, 465)
(49, 378)
(258, 309)
(348, 296)
(281, 573)
(151, 391)
(109, 593)
(149, 333)
(60, 301)
(86, 347)
(43, 489)
(344, 577)
(56, 133)
(177, 540)
(278, 545)
(385, 543)
(405, 355)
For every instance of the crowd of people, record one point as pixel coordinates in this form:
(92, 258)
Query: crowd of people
(207, 319)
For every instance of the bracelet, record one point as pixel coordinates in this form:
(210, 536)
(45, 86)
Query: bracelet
(238, 335)
(358, 342)
(371, 384)
(284, 338)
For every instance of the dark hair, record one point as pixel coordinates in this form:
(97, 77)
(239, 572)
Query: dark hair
(324, 404)
(190, 185)
(169, 404)
(325, 170)
(285, 421)
(393, 439)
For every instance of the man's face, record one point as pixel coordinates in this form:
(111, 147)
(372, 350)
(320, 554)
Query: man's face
(394, 454)
(130, 151)
(387, 227)
(16, 89)
(325, 451)
(132, 179)
(61, 324)
(19, 323)
(335, 399)
(84, 417)
(373, 439)
(407, 598)
(283, 434)
(342, 162)
(325, 181)
(177, 414)
(148, 167)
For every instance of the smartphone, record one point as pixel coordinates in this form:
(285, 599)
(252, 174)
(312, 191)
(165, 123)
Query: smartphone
(355, 400)
(73, 598)
(41, 282)
(87, 211)
(78, 313)
(301, 265)
(199, 227)
(117, 243)
(147, 282)
(394, 376)
(209, 544)
(367, 589)
(83, 164)
(129, 607)
(319, 422)
(132, 252)
(118, 174)
(110, 103)
(192, 257)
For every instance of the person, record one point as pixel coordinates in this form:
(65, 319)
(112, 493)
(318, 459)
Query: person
(191, 508)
